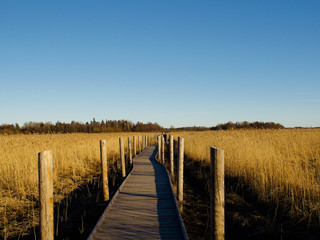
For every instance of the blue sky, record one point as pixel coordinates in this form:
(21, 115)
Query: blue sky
(179, 63)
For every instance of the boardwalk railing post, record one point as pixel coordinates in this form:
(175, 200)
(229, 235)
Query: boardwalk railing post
(159, 148)
(45, 169)
(134, 146)
(143, 144)
(139, 144)
(217, 194)
(123, 164)
(180, 171)
(171, 156)
(129, 151)
(162, 149)
(146, 140)
(104, 169)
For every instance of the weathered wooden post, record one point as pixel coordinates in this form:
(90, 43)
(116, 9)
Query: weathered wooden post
(104, 169)
(217, 194)
(139, 144)
(171, 156)
(129, 151)
(142, 143)
(123, 164)
(134, 146)
(146, 140)
(180, 172)
(159, 148)
(162, 149)
(45, 168)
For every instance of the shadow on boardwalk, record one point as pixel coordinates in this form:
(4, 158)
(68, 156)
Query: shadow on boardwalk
(167, 217)
(145, 206)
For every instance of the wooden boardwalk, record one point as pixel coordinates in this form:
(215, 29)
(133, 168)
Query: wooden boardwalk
(144, 207)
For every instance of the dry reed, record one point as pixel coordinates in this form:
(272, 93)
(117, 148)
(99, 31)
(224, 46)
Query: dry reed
(76, 160)
(280, 167)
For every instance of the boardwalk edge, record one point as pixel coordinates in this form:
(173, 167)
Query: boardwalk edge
(183, 229)
(110, 203)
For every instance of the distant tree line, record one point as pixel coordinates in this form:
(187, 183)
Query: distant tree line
(248, 125)
(77, 127)
(194, 128)
(122, 126)
(231, 125)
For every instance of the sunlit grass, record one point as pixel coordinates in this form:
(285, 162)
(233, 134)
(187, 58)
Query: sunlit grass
(76, 159)
(280, 167)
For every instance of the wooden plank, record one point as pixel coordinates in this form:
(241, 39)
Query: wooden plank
(145, 207)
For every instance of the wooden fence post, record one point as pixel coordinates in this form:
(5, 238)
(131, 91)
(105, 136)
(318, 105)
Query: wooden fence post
(143, 144)
(159, 148)
(129, 151)
(217, 194)
(134, 146)
(139, 144)
(180, 171)
(45, 168)
(146, 140)
(104, 169)
(162, 149)
(123, 164)
(171, 155)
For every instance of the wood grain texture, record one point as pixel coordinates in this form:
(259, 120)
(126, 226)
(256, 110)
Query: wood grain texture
(129, 151)
(145, 207)
(104, 169)
(143, 143)
(134, 146)
(171, 155)
(123, 164)
(159, 148)
(45, 163)
(162, 149)
(180, 169)
(217, 194)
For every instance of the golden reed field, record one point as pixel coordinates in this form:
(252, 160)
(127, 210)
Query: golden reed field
(76, 159)
(279, 166)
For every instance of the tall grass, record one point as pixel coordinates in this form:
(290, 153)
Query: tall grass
(76, 159)
(279, 167)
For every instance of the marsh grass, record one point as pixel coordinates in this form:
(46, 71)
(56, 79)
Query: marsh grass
(76, 162)
(276, 172)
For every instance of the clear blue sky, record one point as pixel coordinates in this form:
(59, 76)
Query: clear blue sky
(179, 63)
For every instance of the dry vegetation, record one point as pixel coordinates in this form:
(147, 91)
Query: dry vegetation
(278, 167)
(76, 160)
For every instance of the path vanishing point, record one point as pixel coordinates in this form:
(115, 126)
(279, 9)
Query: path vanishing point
(145, 205)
